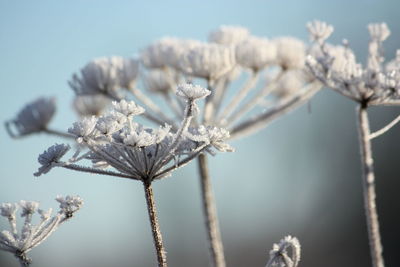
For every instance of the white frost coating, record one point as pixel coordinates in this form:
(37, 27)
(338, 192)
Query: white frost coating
(128, 108)
(105, 75)
(208, 61)
(290, 83)
(211, 135)
(50, 157)
(279, 255)
(376, 84)
(255, 53)
(83, 128)
(227, 35)
(191, 91)
(32, 235)
(290, 52)
(378, 31)
(319, 30)
(34, 117)
(127, 71)
(90, 105)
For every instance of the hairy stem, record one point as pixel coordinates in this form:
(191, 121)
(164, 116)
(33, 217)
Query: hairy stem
(155, 227)
(368, 182)
(210, 213)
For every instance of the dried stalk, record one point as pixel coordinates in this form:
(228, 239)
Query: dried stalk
(210, 214)
(155, 227)
(369, 188)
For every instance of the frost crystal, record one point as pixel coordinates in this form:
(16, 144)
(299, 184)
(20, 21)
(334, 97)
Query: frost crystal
(33, 118)
(255, 53)
(211, 135)
(83, 128)
(192, 92)
(49, 158)
(227, 35)
(127, 108)
(69, 204)
(31, 235)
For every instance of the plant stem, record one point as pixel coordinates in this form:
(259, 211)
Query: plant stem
(155, 227)
(369, 187)
(210, 213)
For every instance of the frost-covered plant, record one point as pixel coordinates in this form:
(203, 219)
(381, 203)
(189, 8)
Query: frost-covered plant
(19, 243)
(376, 84)
(277, 82)
(279, 254)
(136, 152)
(34, 118)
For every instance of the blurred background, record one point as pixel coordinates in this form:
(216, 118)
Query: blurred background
(299, 176)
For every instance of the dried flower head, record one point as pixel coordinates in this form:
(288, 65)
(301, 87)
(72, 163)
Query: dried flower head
(31, 235)
(50, 158)
(33, 118)
(90, 105)
(291, 52)
(135, 151)
(319, 30)
(279, 255)
(255, 53)
(374, 84)
(192, 92)
(227, 35)
(209, 61)
(105, 76)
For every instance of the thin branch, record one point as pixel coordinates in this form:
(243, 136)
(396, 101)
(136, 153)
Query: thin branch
(368, 181)
(152, 106)
(258, 122)
(180, 163)
(97, 171)
(210, 214)
(173, 105)
(253, 102)
(384, 129)
(155, 227)
(239, 96)
(58, 133)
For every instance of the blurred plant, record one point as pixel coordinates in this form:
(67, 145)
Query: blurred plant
(279, 255)
(31, 235)
(373, 85)
(277, 82)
